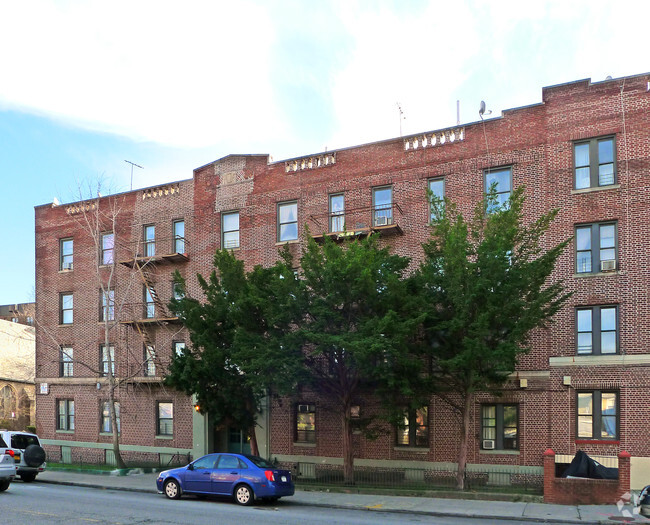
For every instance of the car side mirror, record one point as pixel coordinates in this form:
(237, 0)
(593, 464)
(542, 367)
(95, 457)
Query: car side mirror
(190, 466)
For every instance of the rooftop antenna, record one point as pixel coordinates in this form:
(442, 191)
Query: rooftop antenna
(137, 166)
(481, 110)
(401, 117)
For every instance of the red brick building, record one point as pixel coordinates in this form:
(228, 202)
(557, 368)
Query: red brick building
(585, 149)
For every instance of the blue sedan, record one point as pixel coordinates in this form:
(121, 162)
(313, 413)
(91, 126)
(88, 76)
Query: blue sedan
(241, 476)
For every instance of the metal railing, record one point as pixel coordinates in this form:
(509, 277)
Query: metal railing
(483, 478)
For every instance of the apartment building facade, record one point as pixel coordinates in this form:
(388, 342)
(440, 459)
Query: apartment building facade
(585, 150)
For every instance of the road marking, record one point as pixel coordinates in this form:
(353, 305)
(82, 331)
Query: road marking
(378, 506)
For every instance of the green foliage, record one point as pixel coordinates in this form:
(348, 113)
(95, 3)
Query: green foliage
(484, 286)
(236, 354)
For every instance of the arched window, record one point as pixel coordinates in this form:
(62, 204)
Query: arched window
(7, 403)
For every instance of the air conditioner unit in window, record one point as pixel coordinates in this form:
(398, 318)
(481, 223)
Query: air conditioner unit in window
(488, 444)
(608, 265)
(381, 221)
(303, 408)
(67, 266)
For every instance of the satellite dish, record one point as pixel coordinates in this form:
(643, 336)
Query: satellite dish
(55, 202)
(608, 77)
(481, 108)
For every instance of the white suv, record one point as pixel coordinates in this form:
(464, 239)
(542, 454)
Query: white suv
(29, 456)
(7, 471)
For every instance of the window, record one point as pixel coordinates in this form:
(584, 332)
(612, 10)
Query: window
(287, 221)
(178, 292)
(436, 192)
(66, 361)
(178, 347)
(594, 163)
(149, 361)
(149, 305)
(165, 416)
(65, 250)
(596, 248)
(107, 307)
(499, 180)
(305, 423)
(382, 206)
(230, 229)
(65, 414)
(65, 308)
(108, 248)
(337, 213)
(179, 237)
(597, 415)
(107, 359)
(414, 431)
(500, 427)
(597, 330)
(106, 426)
(149, 240)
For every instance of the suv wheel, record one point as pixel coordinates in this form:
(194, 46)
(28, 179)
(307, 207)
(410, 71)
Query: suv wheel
(4, 485)
(34, 456)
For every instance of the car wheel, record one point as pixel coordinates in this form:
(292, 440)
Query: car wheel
(4, 485)
(28, 478)
(172, 489)
(244, 495)
(34, 456)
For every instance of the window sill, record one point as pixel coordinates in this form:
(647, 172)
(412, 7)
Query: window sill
(64, 325)
(596, 274)
(66, 271)
(597, 442)
(303, 444)
(499, 452)
(160, 436)
(413, 450)
(292, 241)
(109, 434)
(65, 431)
(596, 188)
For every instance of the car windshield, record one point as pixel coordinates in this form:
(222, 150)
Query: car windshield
(259, 462)
(23, 440)
(2, 443)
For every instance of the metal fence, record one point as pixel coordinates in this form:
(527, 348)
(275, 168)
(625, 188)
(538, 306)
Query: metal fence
(483, 478)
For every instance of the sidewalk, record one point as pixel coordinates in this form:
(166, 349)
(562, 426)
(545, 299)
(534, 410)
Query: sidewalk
(516, 511)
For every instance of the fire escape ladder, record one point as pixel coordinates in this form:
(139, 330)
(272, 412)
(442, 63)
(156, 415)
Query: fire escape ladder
(144, 270)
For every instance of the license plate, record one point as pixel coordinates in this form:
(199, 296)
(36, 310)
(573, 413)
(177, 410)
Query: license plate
(284, 478)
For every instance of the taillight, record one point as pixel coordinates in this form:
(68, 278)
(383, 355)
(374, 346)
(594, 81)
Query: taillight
(10, 452)
(269, 475)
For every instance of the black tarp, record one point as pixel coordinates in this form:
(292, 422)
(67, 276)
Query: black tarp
(583, 466)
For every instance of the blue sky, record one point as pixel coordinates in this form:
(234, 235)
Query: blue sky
(85, 85)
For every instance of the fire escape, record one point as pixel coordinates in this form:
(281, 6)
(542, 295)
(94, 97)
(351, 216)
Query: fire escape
(385, 219)
(146, 316)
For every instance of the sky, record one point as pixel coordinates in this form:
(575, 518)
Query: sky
(172, 86)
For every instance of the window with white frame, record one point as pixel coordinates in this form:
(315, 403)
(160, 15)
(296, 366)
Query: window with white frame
(106, 426)
(305, 431)
(230, 230)
(66, 248)
(66, 361)
(337, 212)
(66, 308)
(436, 193)
(149, 304)
(107, 255)
(178, 348)
(149, 361)
(596, 248)
(594, 163)
(287, 221)
(149, 241)
(106, 359)
(165, 418)
(179, 236)
(107, 307)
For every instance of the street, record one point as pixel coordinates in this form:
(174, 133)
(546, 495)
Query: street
(37, 504)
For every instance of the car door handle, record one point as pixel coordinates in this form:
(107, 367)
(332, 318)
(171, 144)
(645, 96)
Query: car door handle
(234, 472)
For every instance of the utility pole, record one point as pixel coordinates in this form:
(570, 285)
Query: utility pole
(137, 166)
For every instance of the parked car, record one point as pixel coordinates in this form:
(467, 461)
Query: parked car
(241, 476)
(7, 470)
(28, 454)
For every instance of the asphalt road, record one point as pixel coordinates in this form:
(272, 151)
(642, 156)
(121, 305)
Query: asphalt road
(37, 504)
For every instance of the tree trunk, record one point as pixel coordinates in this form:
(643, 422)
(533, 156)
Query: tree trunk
(464, 433)
(348, 449)
(116, 435)
(255, 451)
